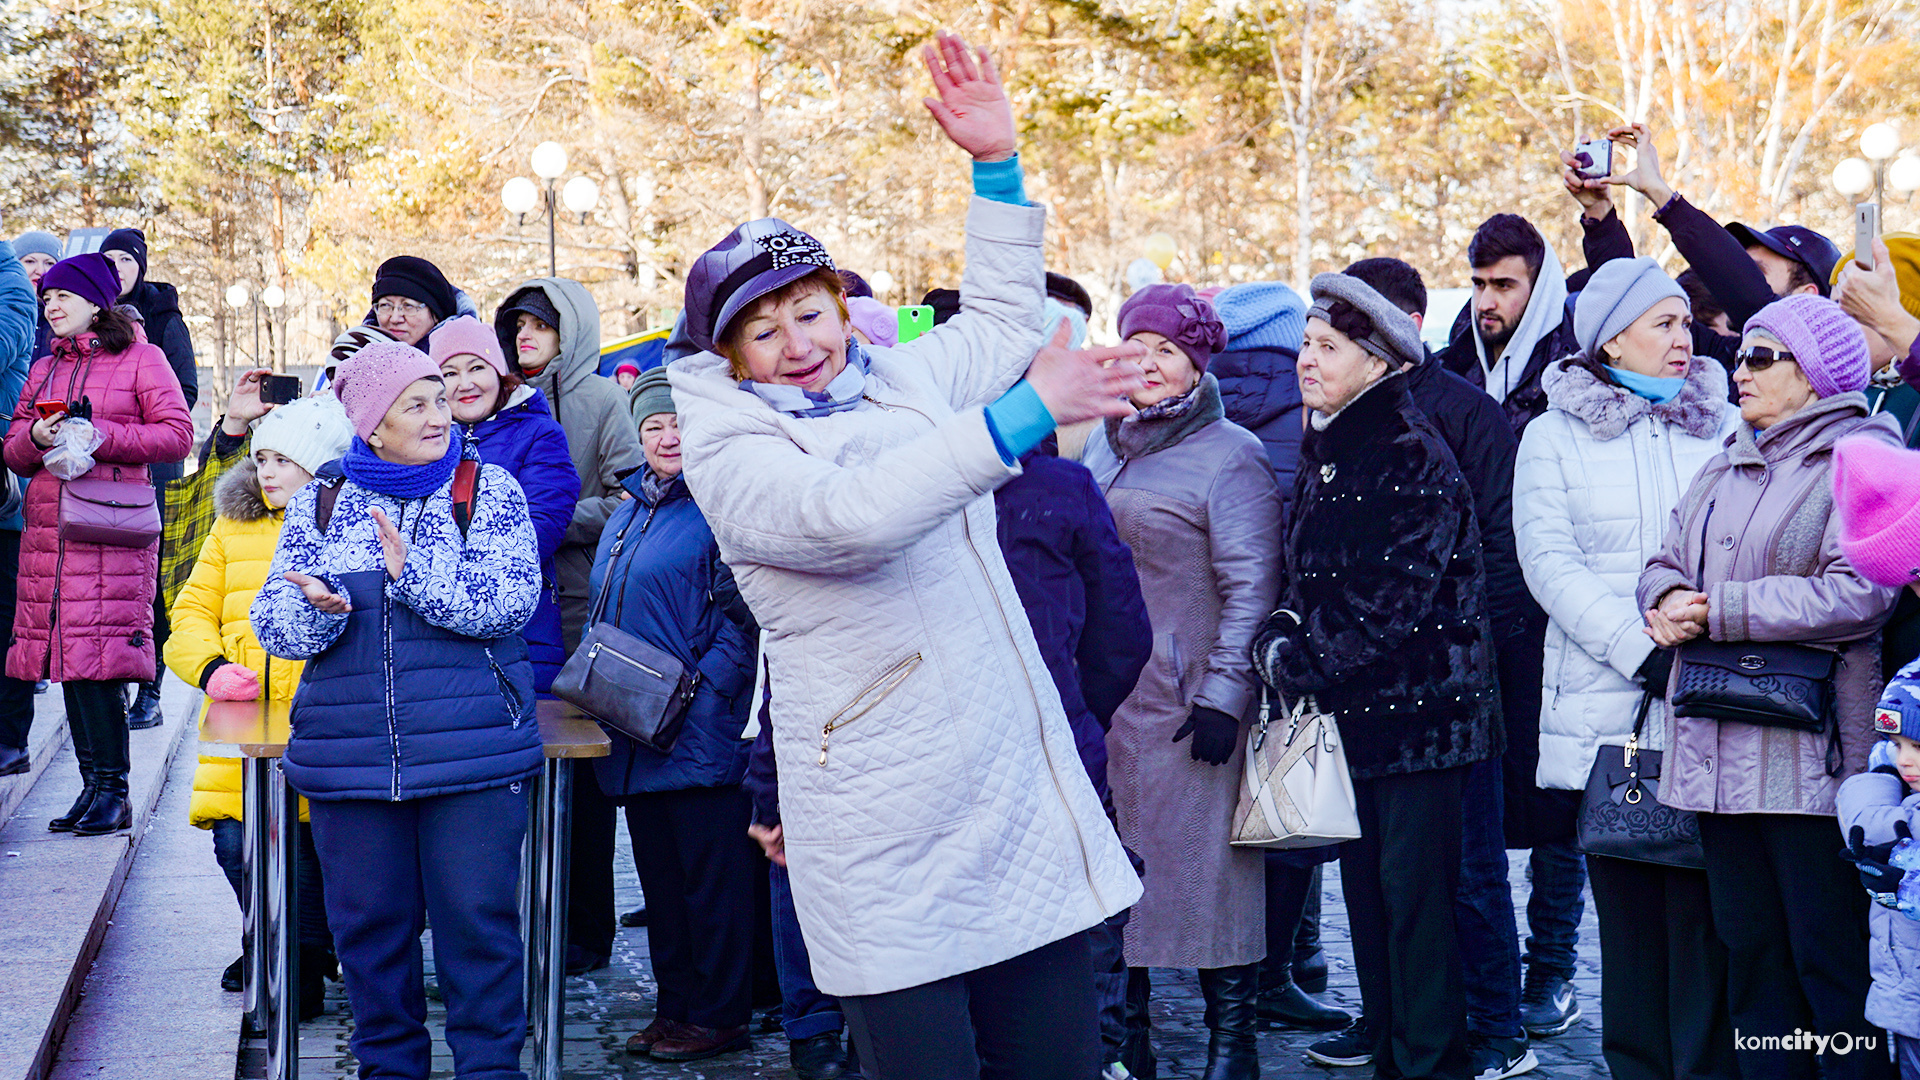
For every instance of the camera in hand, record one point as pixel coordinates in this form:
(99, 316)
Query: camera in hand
(279, 389)
(1594, 159)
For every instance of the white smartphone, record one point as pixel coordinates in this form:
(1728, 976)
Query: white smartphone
(1866, 229)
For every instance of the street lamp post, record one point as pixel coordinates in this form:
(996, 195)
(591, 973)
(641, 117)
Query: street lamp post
(273, 296)
(520, 195)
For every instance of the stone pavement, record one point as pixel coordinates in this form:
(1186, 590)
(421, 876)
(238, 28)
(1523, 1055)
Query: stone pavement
(605, 1007)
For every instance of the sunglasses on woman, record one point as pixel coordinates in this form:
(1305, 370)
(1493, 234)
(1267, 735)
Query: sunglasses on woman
(1758, 359)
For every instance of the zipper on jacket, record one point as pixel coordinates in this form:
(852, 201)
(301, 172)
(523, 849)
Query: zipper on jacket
(506, 688)
(877, 401)
(386, 659)
(53, 611)
(1053, 769)
(886, 684)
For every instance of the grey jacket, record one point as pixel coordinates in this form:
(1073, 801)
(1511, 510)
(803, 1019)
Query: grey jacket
(1875, 801)
(593, 411)
(1195, 499)
(1759, 519)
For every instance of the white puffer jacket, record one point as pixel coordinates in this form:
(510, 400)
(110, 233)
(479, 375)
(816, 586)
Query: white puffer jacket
(937, 817)
(1596, 482)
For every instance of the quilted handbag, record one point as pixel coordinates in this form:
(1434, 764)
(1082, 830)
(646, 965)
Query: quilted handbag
(630, 686)
(1296, 791)
(1770, 683)
(1621, 815)
(99, 510)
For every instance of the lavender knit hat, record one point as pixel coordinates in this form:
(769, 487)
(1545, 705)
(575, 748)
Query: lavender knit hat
(371, 380)
(1176, 313)
(1824, 341)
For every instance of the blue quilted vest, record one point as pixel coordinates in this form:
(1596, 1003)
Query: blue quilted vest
(399, 708)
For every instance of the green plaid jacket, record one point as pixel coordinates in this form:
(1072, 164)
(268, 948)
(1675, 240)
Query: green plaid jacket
(188, 514)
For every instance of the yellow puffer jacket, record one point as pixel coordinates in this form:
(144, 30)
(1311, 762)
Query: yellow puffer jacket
(210, 622)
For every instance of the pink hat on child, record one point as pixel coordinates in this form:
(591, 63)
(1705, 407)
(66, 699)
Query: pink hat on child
(371, 380)
(1876, 492)
(466, 336)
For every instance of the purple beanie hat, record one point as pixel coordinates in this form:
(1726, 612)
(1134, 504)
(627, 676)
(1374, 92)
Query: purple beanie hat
(370, 381)
(1176, 313)
(465, 335)
(1824, 341)
(1876, 492)
(91, 277)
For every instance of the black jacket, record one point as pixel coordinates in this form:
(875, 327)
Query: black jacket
(159, 307)
(1711, 251)
(1260, 392)
(1527, 399)
(1384, 569)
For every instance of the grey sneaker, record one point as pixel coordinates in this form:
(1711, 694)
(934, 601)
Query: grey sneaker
(1353, 1046)
(1549, 1004)
(1496, 1058)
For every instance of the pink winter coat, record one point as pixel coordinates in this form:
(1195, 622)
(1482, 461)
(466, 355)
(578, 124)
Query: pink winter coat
(102, 627)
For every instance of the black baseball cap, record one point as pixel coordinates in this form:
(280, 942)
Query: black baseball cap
(1797, 242)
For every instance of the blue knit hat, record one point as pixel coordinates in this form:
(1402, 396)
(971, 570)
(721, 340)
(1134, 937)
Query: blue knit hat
(1262, 315)
(1899, 709)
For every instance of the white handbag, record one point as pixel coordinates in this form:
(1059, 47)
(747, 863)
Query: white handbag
(1296, 792)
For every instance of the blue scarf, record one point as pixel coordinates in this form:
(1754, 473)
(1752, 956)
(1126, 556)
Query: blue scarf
(367, 469)
(841, 394)
(1658, 391)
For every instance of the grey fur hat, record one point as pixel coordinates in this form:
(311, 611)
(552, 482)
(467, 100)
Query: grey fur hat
(1383, 329)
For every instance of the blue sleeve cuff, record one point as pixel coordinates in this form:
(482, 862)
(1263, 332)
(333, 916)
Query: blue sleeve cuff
(1018, 421)
(1001, 181)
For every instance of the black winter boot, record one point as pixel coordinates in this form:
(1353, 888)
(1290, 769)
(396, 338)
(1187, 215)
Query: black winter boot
(145, 711)
(1136, 1050)
(1309, 959)
(109, 811)
(314, 962)
(83, 753)
(1230, 994)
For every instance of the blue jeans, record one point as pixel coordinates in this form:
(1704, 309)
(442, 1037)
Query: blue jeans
(229, 850)
(1483, 909)
(805, 1012)
(1555, 906)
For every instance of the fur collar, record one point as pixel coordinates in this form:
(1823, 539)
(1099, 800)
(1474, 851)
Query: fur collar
(1609, 408)
(236, 495)
(1134, 437)
(1375, 417)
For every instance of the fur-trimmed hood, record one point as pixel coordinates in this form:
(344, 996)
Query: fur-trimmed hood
(236, 495)
(1609, 408)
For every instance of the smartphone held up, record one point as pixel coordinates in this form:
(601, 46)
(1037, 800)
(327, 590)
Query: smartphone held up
(1593, 160)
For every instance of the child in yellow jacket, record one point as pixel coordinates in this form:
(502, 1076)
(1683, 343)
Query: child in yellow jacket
(213, 645)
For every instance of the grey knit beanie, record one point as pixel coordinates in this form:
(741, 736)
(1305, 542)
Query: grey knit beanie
(1382, 330)
(650, 394)
(36, 242)
(1617, 294)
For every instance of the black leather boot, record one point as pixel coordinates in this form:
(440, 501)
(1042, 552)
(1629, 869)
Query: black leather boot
(314, 961)
(83, 753)
(108, 812)
(145, 711)
(1230, 994)
(1309, 959)
(1136, 1049)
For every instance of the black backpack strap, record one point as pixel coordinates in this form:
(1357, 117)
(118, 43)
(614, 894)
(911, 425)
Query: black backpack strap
(323, 501)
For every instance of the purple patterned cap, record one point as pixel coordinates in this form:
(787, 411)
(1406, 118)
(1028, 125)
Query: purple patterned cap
(754, 260)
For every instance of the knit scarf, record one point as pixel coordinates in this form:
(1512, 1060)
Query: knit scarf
(841, 394)
(397, 481)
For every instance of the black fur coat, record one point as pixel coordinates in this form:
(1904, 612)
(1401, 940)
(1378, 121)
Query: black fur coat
(1384, 570)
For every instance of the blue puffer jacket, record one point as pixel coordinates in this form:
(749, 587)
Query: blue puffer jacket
(424, 688)
(1875, 801)
(524, 439)
(19, 320)
(1077, 583)
(1260, 392)
(671, 590)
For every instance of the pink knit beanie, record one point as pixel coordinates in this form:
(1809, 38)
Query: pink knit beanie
(1823, 339)
(1876, 491)
(371, 380)
(879, 322)
(466, 336)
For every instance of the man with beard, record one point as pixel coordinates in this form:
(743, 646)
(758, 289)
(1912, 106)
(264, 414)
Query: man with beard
(1519, 317)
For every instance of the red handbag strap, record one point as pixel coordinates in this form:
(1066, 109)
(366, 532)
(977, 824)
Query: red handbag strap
(465, 475)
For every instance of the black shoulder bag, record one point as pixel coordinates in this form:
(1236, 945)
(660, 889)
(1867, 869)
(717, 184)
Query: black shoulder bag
(1621, 815)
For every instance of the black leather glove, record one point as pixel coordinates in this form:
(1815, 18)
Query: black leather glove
(1214, 735)
(1655, 669)
(1871, 859)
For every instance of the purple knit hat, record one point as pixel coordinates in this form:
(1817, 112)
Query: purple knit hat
(466, 336)
(1876, 492)
(1176, 313)
(91, 277)
(1824, 341)
(371, 380)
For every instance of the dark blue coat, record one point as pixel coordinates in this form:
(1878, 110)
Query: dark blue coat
(671, 590)
(528, 442)
(1260, 392)
(1077, 583)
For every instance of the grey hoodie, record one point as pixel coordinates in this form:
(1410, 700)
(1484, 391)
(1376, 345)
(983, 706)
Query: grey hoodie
(603, 440)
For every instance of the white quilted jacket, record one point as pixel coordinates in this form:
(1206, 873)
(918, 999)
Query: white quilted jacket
(937, 816)
(1597, 479)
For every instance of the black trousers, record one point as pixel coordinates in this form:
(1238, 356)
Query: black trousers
(16, 695)
(590, 873)
(1400, 879)
(97, 724)
(1029, 1018)
(697, 867)
(1794, 920)
(1663, 974)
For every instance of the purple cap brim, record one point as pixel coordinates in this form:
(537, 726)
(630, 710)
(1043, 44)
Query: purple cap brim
(756, 287)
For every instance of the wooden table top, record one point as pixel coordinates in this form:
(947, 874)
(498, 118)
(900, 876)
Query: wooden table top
(260, 729)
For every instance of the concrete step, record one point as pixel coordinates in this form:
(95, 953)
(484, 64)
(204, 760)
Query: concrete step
(69, 884)
(48, 735)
